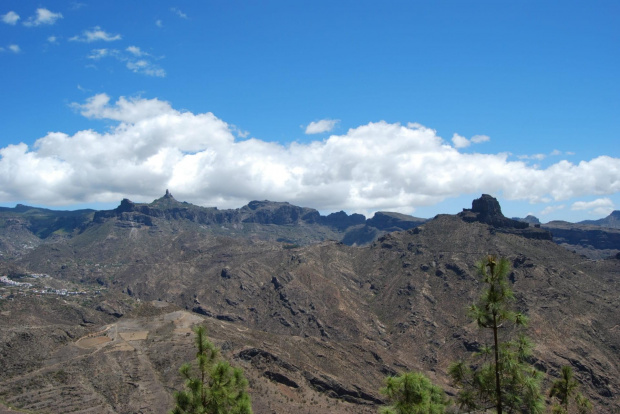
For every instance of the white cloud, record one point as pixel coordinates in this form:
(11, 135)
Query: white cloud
(135, 50)
(478, 139)
(240, 133)
(460, 141)
(158, 23)
(77, 5)
(147, 68)
(125, 110)
(324, 125)
(94, 35)
(10, 18)
(101, 53)
(599, 207)
(178, 13)
(14, 48)
(130, 59)
(377, 166)
(52, 39)
(551, 209)
(537, 157)
(43, 16)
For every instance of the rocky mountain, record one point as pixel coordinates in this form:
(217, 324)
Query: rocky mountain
(24, 227)
(528, 219)
(595, 239)
(316, 327)
(612, 221)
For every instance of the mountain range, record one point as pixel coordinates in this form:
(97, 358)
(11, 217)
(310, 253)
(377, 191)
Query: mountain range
(273, 221)
(316, 309)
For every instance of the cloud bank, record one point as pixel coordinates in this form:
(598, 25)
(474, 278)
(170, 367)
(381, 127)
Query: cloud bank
(378, 166)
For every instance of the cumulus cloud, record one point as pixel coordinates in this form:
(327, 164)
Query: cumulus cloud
(599, 207)
(159, 23)
(94, 35)
(10, 18)
(460, 141)
(324, 125)
(14, 48)
(43, 17)
(377, 166)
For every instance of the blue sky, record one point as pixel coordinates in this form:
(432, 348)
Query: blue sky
(410, 106)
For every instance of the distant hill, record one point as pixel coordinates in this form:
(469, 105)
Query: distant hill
(529, 219)
(595, 239)
(612, 221)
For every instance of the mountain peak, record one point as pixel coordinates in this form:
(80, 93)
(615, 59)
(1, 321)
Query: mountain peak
(167, 201)
(486, 209)
(487, 206)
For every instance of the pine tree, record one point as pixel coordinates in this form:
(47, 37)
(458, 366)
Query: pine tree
(413, 393)
(500, 376)
(213, 386)
(564, 390)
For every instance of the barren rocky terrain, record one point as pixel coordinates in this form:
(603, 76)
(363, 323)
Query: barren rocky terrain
(316, 325)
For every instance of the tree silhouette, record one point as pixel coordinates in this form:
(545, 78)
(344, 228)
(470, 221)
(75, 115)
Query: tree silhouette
(212, 386)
